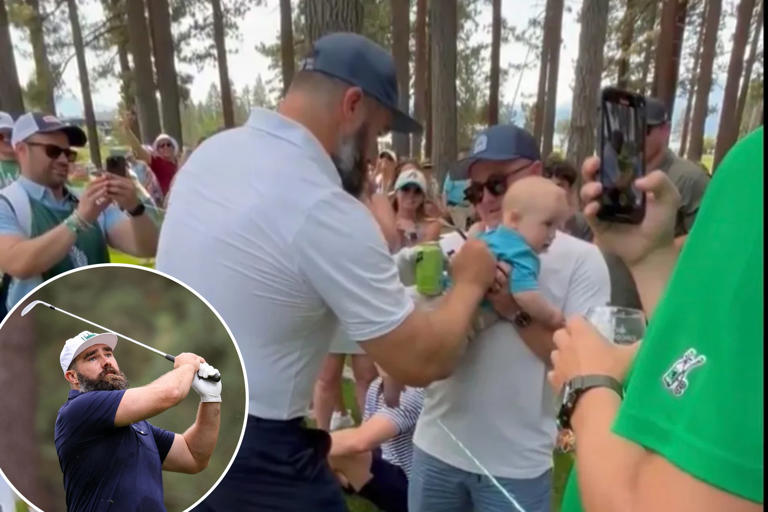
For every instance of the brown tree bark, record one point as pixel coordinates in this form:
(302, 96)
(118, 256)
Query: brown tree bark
(327, 16)
(11, 98)
(428, 97)
(227, 104)
(143, 76)
(625, 44)
(652, 12)
(728, 130)
(43, 75)
(165, 67)
(692, 84)
(550, 107)
(668, 52)
(400, 52)
(116, 10)
(493, 93)
(541, 93)
(443, 30)
(748, 67)
(286, 43)
(420, 75)
(85, 87)
(704, 81)
(589, 66)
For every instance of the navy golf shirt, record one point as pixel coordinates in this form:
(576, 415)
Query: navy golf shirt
(107, 467)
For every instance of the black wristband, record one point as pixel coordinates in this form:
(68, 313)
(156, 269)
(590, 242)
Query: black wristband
(138, 211)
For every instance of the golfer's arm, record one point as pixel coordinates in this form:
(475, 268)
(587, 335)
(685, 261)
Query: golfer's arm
(652, 275)
(371, 434)
(136, 236)
(150, 400)
(191, 451)
(427, 345)
(616, 475)
(27, 257)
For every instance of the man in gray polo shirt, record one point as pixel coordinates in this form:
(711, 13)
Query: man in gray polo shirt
(497, 403)
(265, 221)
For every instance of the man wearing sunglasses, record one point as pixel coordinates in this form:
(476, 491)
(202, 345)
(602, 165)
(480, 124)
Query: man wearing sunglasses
(497, 402)
(44, 228)
(9, 168)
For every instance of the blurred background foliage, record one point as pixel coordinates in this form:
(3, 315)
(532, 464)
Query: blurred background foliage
(144, 306)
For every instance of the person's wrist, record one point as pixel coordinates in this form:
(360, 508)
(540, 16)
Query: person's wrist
(589, 400)
(661, 255)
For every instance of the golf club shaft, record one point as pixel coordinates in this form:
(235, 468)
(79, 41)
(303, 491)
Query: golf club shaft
(169, 357)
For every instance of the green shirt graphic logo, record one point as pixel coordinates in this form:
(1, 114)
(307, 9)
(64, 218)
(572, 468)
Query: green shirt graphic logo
(675, 378)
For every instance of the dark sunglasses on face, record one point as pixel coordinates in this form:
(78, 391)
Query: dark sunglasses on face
(496, 185)
(411, 188)
(53, 151)
(164, 145)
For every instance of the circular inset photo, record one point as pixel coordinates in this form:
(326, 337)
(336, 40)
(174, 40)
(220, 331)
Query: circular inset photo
(123, 390)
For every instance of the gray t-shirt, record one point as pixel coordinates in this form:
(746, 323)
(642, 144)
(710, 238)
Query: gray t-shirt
(691, 181)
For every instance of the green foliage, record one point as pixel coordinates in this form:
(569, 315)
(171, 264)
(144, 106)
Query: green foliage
(708, 145)
(160, 313)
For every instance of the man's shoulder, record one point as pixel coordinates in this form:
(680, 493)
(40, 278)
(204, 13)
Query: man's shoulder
(569, 246)
(682, 169)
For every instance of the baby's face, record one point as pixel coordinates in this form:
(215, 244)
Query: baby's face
(537, 225)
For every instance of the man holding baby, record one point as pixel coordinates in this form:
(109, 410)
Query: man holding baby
(497, 405)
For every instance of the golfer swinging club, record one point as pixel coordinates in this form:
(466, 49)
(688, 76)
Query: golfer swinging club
(110, 455)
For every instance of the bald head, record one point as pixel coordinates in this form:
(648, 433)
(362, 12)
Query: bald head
(533, 193)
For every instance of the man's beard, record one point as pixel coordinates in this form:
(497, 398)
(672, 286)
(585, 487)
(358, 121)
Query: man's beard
(108, 380)
(350, 162)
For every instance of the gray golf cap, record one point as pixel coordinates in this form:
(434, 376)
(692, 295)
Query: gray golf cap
(655, 112)
(35, 122)
(498, 143)
(362, 63)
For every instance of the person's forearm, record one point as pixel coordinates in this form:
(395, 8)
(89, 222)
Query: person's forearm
(607, 464)
(539, 308)
(32, 257)
(651, 275)
(176, 383)
(537, 337)
(145, 235)
(202, 436)
(133, 141)
(344, 442)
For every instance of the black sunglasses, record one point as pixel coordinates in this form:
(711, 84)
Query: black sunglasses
(496, 185)
(411, 188)
(164, 145)
(53, 151)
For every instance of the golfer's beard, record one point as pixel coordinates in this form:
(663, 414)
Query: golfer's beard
(350, 163)
(108, 380)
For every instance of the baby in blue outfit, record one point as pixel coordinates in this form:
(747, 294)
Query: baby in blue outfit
(532, 210)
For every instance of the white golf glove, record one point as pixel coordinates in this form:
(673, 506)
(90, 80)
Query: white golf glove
(208, 390)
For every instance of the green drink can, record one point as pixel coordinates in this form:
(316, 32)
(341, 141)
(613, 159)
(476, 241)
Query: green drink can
(429, 269)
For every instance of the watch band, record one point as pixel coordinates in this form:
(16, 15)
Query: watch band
(522, 319)
(139, 210)
(575, 388)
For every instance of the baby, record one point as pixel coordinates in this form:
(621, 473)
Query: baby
(532, 210)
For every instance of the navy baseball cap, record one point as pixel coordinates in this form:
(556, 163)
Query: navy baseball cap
(655, 112)
(362, 63)
(35, 122)
(499, 142)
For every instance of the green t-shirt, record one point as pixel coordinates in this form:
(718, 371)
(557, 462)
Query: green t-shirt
(696, 391)
(9, 171)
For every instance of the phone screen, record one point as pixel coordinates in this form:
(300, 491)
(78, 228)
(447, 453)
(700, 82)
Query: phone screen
(622, 156)
(116, 165)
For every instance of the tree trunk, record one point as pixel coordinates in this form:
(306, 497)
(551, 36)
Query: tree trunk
(493, 94)
(116, 9)
(728, 130)
(541, 94)
(704, 81)
(286, 43)
(420, 74)
(550, 107)
(668, 51)
(748, 67)
(43, 75)
(400, 38)
(692, 84)
(428, 97)
(85, 87)
(625, 44)
(589, 66)
(227, 105)
(327, 16)
(165, 67)
(143, 77)
(443, 29)
(648, 51)
(11, 98)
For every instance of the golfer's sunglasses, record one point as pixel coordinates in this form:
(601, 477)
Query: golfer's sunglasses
(53, 151)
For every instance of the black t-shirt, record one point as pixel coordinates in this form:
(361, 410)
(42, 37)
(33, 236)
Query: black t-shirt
(107, 467)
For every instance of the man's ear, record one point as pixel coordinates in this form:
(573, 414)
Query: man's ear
(537, 169)
(351, 104)
(71, 377)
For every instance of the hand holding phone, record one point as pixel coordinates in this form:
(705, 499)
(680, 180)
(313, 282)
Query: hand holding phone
(117, 165)
(622, 155)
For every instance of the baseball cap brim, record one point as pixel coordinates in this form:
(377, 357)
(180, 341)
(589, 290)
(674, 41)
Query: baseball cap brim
(75, 135)
(410, 182)
(460, 170)
(403, 123)
(106, 338)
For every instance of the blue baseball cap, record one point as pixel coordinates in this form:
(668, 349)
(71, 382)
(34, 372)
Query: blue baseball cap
(499, 142)
(362, 63)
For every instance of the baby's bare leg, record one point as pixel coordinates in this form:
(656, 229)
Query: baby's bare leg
(539, 308)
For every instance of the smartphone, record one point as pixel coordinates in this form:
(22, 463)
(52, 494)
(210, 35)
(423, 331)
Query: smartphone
(622, 155)
(117, 165)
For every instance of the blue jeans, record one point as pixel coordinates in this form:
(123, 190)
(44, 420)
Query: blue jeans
(435, 486)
